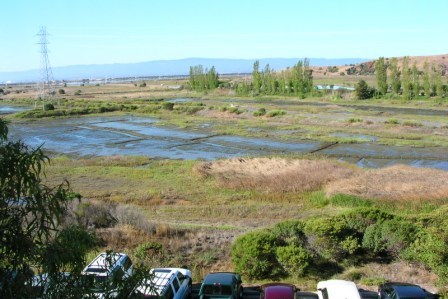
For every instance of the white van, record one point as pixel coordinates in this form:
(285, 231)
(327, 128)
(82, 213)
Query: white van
(165, 283)
(337, 289)
(104, 269)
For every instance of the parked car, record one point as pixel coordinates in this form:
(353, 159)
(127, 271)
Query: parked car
(165, 283)
(45, 286)
(337, 289)
(399, 290)
(307, 295)
(108, 272)
(278, 291)
(221, 285)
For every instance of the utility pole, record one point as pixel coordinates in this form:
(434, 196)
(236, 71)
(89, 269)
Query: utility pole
(45, 87)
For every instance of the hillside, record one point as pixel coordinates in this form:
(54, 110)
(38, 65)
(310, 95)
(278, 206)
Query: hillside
(368, 67)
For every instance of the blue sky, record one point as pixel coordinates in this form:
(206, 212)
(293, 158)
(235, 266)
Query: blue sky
(100, 31)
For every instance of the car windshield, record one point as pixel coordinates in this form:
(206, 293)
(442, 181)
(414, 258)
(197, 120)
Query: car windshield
(217, 290)
(99, 283)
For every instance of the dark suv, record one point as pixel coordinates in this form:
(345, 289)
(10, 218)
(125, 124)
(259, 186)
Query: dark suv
(221, 285)
(399, 290)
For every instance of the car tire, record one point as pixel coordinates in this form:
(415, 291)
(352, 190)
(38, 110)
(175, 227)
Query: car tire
(240, 292)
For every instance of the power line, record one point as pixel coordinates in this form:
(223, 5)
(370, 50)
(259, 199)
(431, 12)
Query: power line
(45, 86)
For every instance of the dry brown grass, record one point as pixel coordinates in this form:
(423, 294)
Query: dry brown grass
(399, 183)
(274, 174)
(400, 271)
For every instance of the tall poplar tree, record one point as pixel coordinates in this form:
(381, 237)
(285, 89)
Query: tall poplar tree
(415, 79)
(426, 79)
(256, 78)
(406, 81)
(395, 75)
(439, 84)
(381, 75)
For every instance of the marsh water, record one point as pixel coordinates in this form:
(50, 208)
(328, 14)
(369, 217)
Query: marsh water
(130, 135)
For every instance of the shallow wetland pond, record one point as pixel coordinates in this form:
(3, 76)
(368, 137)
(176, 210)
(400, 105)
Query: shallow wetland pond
(130, 135)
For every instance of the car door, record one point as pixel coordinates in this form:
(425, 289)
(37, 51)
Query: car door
(185, 286)
(388, 293)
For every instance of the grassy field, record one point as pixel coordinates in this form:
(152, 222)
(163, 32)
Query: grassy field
(196, 209)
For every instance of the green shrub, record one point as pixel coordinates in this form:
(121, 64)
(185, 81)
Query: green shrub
(48, 107)
(168, 106)
(363, 91)
(148, 250)
(275, 113)
(260, 112)
(361, 218)
(61, 91)
(331, 238)
(355, 120)
(290, 231)
(78, 92)
(430, 248)
(392, 121)
(254, 255)
(294, 259)
(390, 236)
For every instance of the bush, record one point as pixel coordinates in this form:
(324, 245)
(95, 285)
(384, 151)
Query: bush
(254, 255)
(61, 91)
(392, 121)
(289, 231)
(148, 253)
(363, 91)
(48, 107)
(360, 219)
(260, 112)
(294, 259)
(168, 106)
(430, 248)
(390, 237)
(275, 113)
(355, 120)
(331, 238)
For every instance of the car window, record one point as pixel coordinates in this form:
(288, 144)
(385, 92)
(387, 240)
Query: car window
(217, 290)
(175, 284)
(127, 263)
(169, 293)
(324, 293)
(181, 277)
(388, 293)
(226, 290)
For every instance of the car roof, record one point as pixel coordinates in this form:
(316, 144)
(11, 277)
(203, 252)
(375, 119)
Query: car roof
(161, 279)
(340, 289)
(100, 264)
(406, 289)
(219, 277)
(278, 291)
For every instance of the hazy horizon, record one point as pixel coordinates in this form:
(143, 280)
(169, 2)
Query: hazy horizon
(106, 32)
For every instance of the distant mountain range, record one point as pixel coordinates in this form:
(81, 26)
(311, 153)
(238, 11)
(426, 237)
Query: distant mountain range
(166, 68)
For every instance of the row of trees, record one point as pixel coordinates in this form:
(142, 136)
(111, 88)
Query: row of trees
(203, 79)
(409, 81)
(297, 80)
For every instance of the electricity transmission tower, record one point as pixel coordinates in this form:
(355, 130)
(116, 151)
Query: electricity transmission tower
(45, 86)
